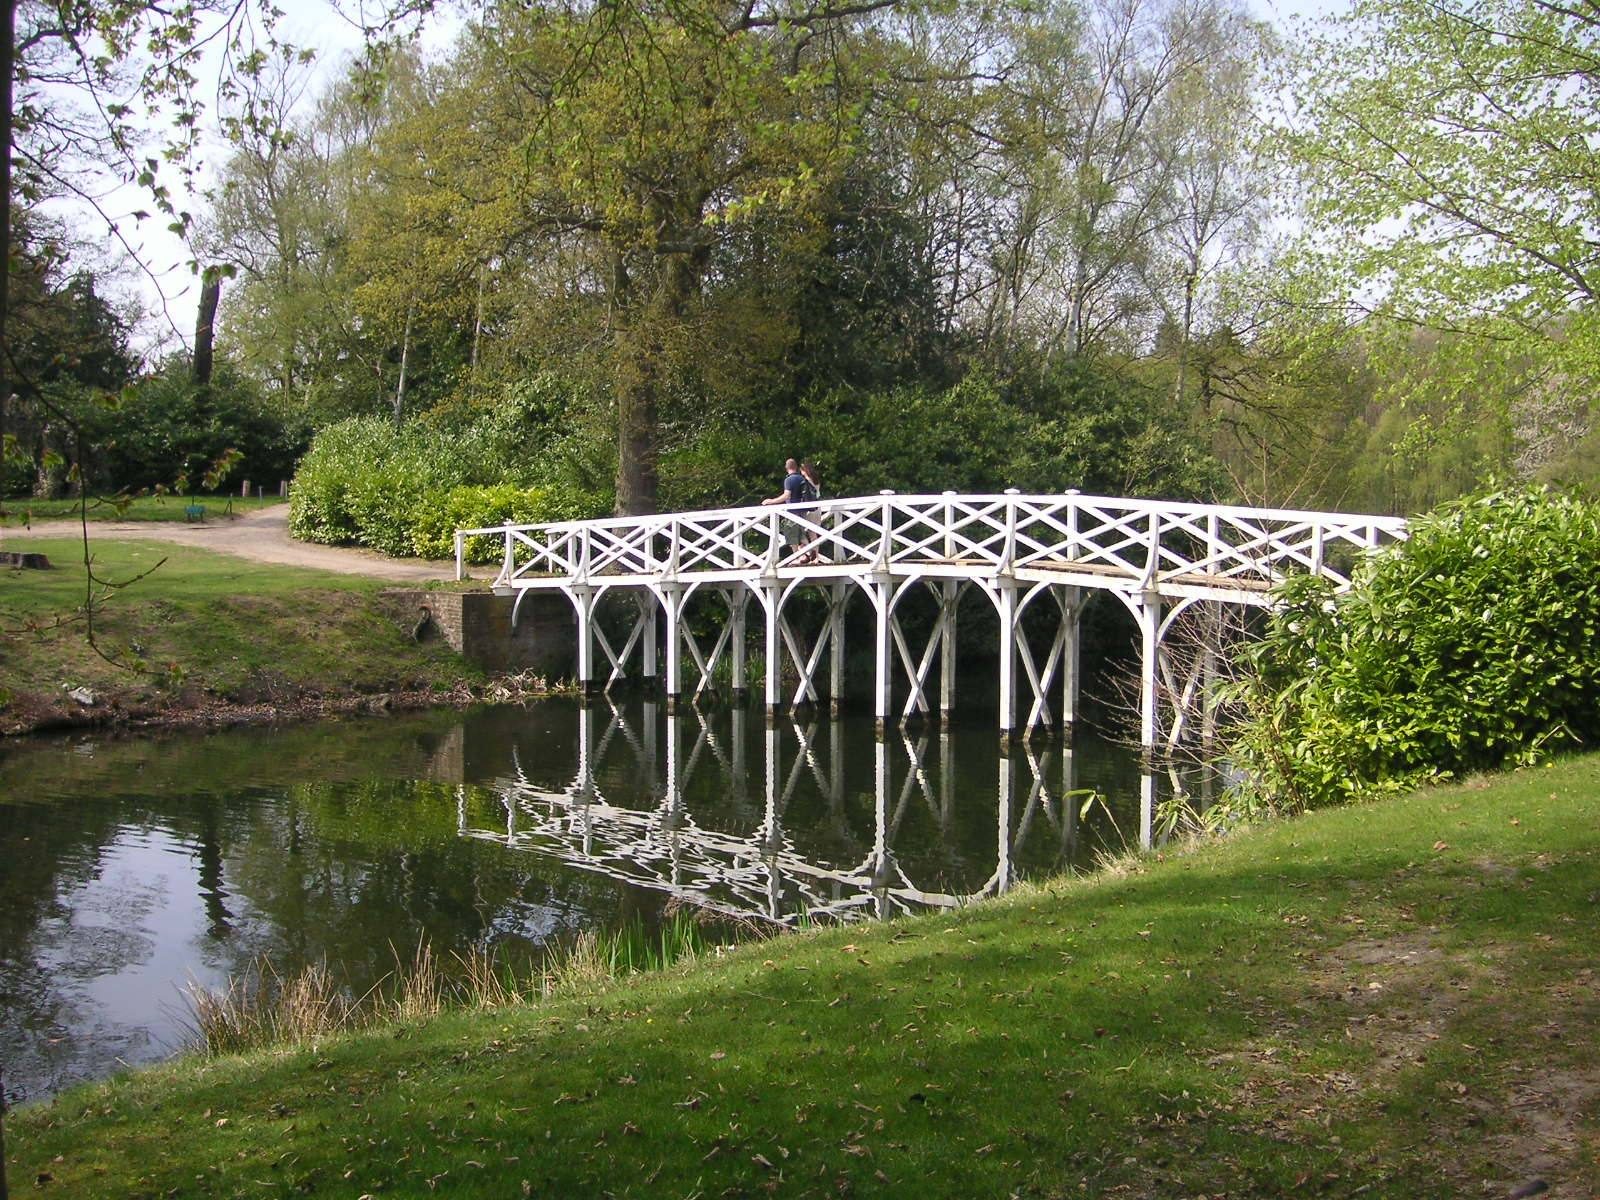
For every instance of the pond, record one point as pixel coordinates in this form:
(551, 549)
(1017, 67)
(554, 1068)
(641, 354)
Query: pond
(133, 867)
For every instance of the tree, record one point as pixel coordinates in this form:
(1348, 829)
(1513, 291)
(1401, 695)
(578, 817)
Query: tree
(653, 139)
(1447, 152)
(94, 95)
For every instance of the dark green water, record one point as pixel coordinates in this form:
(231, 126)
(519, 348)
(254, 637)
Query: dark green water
(129, 868)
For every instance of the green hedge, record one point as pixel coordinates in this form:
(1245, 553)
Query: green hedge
(1474, 644)
(405, 491)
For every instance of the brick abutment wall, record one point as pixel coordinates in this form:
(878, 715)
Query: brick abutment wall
(477, 625)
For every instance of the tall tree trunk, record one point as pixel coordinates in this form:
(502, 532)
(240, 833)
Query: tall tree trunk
(639, 386)
(405, 356)
(8, 53)
(204, 329)
(1183, 340)
(644, 373)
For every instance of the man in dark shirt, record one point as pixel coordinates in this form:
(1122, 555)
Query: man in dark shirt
(794, 485)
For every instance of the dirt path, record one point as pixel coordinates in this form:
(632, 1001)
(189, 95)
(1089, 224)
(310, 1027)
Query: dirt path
(262, 536)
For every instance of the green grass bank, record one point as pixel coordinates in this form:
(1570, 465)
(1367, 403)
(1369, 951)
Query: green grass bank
(174, 509)
(200, 637)
(1398, 1000)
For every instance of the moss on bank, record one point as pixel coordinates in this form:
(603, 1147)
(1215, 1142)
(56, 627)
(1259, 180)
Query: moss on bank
(1399, 1000)
(202, 637)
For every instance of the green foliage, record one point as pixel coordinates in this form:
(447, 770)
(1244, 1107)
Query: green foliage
(1470, 646)
(404, 491)
(165, 432)
(433, 519)
(1446, 154)
(1070, 426)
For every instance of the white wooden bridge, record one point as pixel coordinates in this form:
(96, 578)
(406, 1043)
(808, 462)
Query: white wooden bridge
(1160, 559)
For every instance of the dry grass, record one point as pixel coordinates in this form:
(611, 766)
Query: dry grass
(267, 1009)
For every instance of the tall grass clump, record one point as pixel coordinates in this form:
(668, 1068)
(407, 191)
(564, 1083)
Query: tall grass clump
(1470, 646)
(268, 1009)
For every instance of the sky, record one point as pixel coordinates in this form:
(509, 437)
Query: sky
(168, 288)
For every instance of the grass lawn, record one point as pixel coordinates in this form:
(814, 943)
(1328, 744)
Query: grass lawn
(199, 622)
(145, 508)
(1398, 1000)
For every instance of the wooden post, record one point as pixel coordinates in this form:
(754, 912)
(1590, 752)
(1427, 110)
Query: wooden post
(883, 666)
(839, 597)
(1149, 682)
(949, 601)
(1007, 592)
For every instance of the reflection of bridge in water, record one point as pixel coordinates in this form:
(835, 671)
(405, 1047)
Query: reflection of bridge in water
(673, 846)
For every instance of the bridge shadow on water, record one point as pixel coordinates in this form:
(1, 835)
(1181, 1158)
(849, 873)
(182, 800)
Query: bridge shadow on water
(802, 818)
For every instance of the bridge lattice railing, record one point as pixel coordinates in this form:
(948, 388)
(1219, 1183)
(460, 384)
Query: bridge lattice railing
(1143, 542)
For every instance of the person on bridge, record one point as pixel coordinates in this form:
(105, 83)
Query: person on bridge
(797, 489)
(812, 491)
(794, 485)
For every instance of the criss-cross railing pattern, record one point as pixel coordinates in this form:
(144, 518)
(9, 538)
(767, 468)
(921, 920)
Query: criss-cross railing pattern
(1107, 542)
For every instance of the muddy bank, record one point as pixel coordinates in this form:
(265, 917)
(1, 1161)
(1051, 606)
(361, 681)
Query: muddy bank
(134, 710)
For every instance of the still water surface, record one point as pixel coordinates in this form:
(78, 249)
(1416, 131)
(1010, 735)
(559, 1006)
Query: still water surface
(130, 868)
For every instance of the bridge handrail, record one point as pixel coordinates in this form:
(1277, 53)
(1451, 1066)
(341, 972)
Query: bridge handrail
(1137, 540)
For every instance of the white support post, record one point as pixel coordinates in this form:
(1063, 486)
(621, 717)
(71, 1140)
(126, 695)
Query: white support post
(949, 602)
(672, 600)
(583, 601)
(1072, 657)
(839, 597)
(648, 603)
(885, 530)
(738, 606)
(1149, 698)
(883, 665)
(1007, 595)
(1008, 553)
(772, 600)
(461, 555)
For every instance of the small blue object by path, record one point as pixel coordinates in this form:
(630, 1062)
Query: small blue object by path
(195, 512)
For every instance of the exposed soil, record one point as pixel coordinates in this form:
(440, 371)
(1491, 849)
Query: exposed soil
(1402, 994)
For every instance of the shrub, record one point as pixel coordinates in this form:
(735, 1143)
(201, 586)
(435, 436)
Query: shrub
(1470, 646)
(406, 490)
(321, 507)
(436, 517)
(165, 432)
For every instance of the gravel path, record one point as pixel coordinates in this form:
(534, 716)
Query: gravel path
(262, 536)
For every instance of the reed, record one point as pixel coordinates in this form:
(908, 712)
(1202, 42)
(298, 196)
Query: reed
(266, 1009)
